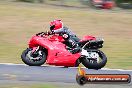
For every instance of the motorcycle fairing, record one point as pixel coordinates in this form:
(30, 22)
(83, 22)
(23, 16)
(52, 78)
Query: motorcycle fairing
(57, 52)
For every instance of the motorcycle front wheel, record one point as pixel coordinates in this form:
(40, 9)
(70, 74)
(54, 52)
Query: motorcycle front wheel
(33, 60)
(95, 64)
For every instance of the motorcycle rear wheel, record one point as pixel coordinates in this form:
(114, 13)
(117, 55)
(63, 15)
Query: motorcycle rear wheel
(96, 66)
(33, 61)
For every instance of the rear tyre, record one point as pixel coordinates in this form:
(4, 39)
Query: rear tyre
(30, 60)
(96, 66)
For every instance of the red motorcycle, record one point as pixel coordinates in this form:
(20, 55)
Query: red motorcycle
(104, 4)
(51, 49)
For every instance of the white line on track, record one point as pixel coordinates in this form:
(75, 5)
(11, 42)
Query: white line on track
(62, 66)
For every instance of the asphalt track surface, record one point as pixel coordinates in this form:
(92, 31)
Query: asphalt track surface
(10, 73)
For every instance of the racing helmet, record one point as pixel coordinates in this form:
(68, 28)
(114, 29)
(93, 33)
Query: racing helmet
(56, 24)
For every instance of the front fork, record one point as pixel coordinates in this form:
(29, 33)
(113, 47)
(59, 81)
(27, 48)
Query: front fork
(35, 50)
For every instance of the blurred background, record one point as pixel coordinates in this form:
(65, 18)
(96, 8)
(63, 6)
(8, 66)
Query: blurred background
(112, 20)
(107, 4)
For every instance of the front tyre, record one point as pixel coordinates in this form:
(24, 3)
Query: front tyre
(97, 64)
(31, 60)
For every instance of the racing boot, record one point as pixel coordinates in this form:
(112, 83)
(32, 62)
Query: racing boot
(74, 46)
(76, 49)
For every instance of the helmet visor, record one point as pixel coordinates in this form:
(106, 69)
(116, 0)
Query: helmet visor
(52, 27)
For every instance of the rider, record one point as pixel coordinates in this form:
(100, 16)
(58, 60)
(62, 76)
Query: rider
(56, 26)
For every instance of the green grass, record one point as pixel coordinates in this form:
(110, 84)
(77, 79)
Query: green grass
(43, 86)
(19, 21)
(75, 3)
(28, 86)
